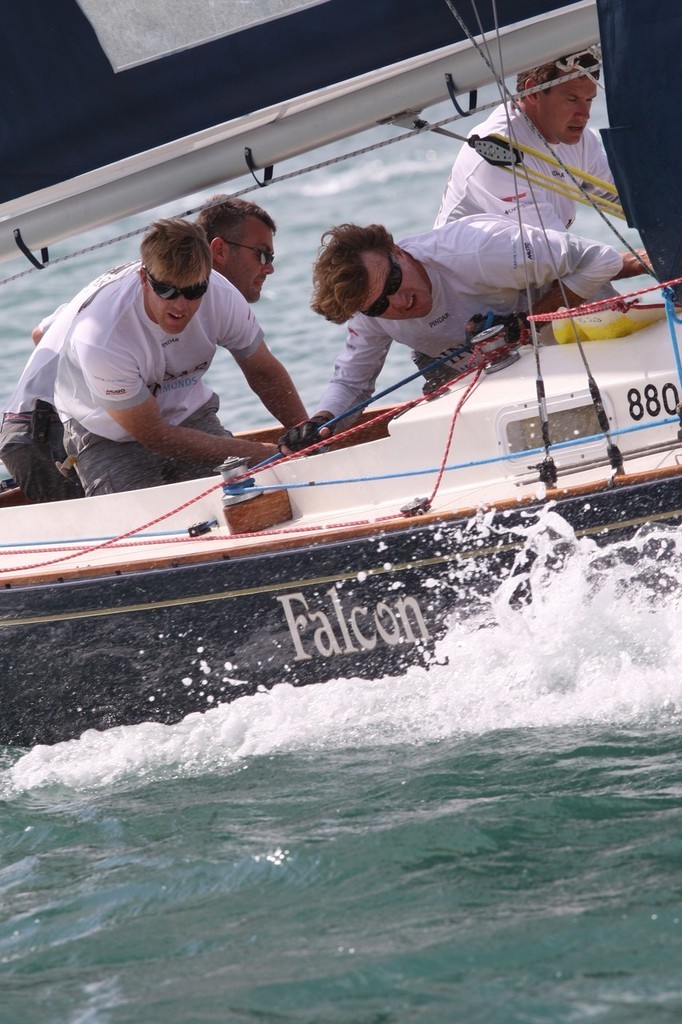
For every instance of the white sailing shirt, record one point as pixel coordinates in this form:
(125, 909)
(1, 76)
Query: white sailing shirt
(475, 186)
(475, 265)
(115, 356)
(38, 377)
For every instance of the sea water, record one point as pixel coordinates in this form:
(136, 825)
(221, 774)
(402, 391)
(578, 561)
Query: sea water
(497, 839)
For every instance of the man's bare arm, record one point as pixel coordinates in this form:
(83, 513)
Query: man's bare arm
(269, 379)
(145, 424)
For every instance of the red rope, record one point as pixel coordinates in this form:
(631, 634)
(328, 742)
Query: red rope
(470, 387)
(479, 359)
(617, 303)
(476, 363)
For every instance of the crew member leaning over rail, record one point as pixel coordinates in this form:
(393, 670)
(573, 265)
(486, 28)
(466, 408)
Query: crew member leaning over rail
(130, 386)
(240, 234)
(423, 291)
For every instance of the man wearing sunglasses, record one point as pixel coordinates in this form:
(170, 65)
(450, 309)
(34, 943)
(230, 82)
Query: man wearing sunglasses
(423, 291)
(31, 437)
(240, 234)
(130, 388)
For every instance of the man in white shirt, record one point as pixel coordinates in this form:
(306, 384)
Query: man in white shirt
(130, 389)
(423, 291)
(32, 435)
(552, 121)
(240, 234)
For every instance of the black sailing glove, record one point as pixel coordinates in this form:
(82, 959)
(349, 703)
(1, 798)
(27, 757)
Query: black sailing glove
(304, 434)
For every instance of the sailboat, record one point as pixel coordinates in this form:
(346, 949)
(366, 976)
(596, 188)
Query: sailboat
(349, 559)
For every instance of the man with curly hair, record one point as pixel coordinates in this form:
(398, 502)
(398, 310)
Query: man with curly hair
(423, 291)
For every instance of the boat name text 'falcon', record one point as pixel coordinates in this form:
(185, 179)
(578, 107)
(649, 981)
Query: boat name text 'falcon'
(359, 628)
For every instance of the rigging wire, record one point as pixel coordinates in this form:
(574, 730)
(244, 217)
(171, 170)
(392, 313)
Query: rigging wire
(547, 468)
(420, 127)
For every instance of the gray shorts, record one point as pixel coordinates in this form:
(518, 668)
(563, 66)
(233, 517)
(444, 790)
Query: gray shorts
(107, 467)
(32, 463)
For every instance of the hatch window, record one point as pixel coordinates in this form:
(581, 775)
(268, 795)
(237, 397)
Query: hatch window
(570, 418)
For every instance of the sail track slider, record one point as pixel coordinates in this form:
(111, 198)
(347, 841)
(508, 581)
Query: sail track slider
(267, 172)
(199, 529)
(44, 255)
(473, 97)
(547, 472)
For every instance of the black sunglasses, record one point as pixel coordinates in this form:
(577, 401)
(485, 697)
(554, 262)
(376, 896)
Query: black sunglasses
(169, 291)
(264, 255)
(393, 282)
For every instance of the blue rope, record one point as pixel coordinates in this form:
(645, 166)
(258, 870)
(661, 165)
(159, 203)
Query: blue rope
(450, 354)
(669, 300)
(364, 479)
(525, 453)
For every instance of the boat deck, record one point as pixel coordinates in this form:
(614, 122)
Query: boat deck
(474, 446)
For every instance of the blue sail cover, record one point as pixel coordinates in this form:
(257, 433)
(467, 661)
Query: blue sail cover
(643, 81)
(115, 106)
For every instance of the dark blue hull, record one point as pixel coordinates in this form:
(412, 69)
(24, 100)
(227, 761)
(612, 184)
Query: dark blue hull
(157, 645)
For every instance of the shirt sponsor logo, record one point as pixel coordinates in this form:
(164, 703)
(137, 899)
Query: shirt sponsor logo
(528, 253)
(172, 381)
(174, 384)
(439, 320)
(120, 391)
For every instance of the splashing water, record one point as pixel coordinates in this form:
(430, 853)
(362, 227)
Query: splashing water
(594, 639)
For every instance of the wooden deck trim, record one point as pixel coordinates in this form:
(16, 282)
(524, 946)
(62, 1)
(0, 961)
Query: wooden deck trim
(235, 549)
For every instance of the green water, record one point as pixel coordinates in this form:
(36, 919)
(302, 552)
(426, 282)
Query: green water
(496, 839)
(522, 875)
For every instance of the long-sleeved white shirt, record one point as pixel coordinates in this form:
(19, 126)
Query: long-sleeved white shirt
(474, 265)
(476, 186)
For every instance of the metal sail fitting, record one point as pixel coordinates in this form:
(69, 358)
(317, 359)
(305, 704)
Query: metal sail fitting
(21, 244)
(473, 97)
(495, 150)
(250, 163)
